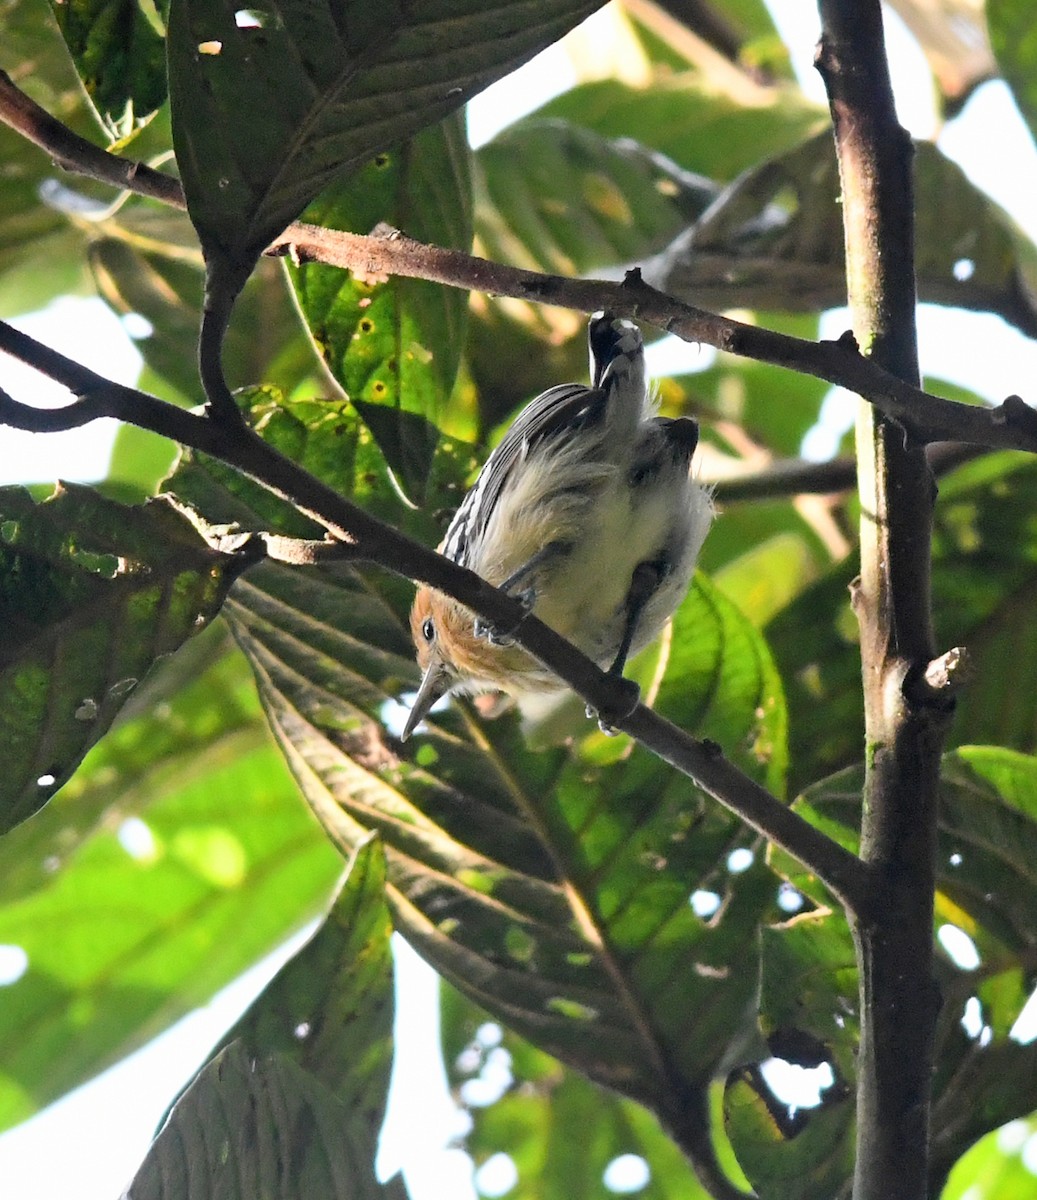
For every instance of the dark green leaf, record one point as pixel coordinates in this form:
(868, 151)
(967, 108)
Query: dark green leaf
(248, 1128)
(267, 114)
(93, 593)
(395, 346)
(176, 858)
(119, 50)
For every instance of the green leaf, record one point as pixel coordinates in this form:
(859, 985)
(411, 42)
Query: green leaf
(987, 843)
(470, 843)
(330, 1008)
(1013, 35)
(395, 346)
(165, 283)
(784, 1159)
(560, 1131)
(93, 594)
(176, 858)
(119, 50)
(774, 240)
(554, 197)
(984, 577)
(689, 121)
(808, 1013)
(995, 1168)
(248, 1128)
(267, 114)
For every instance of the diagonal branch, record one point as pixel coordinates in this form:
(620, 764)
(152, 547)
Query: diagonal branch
(923, 416)
(374, 541)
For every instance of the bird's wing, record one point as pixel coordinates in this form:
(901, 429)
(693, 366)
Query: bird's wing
(566, 406)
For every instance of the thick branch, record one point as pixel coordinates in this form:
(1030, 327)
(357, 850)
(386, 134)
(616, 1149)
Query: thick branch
(374, 541)
(903, 726)
(924, 417)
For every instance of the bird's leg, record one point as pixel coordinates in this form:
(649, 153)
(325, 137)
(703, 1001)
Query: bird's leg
(526, 596)
(644, 582)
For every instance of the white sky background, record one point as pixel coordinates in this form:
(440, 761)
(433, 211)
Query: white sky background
(88, 1145)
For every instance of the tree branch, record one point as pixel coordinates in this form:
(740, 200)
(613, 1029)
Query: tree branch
(904, 725)
(372, 540)
(924, 417)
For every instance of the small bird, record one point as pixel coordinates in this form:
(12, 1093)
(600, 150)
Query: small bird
(587, 511)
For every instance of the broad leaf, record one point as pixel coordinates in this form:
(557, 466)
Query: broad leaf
(688, 121)
(165, 283)
(93, 594)
(395, 345)
(554, 197)
(808, 1012)
(329, 1010)
(248, 1128)
(561, 1132)
(267, 112)
(176, 858)
(986, 880)
(119, 50)
(553, 886)
(985, 547)
(1012, 25)
(774, 240)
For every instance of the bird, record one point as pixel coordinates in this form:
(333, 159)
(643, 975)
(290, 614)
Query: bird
(587, 511)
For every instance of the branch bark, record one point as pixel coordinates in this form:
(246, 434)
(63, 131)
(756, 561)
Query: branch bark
(904, 733)
(369, 539)
(924, 417)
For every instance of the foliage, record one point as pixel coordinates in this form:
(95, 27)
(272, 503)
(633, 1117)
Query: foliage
(632, 943)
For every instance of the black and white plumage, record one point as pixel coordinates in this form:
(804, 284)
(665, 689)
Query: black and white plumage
(588, 509)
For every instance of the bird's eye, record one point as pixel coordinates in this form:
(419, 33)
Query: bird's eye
(428, 629)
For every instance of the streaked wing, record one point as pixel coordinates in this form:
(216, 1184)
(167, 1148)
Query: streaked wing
(567, 405)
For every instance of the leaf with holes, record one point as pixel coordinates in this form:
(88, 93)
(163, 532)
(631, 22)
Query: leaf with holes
(119, 50)
(395, 345)
(808, 1013)
(93, 594)
(271, 104)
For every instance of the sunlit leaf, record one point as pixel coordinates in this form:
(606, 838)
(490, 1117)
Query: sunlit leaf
(177, 857)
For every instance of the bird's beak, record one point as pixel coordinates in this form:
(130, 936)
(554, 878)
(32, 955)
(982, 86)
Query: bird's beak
(434, 685)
